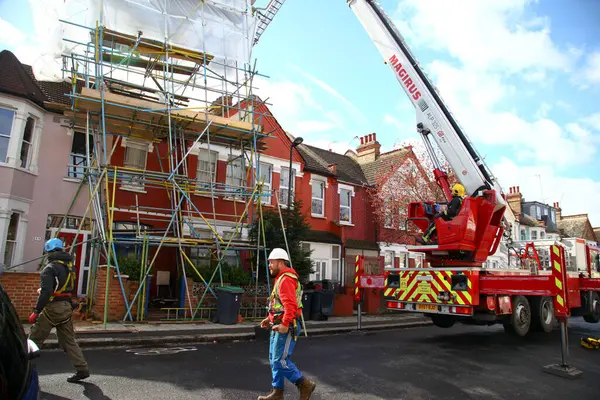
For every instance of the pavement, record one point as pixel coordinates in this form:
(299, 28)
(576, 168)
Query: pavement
(463, 362)
(140, 334)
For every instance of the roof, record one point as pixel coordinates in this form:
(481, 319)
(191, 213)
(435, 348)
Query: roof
(15, 79)
(597, 233)
(317, 160)
(528, 220)
(385, 162)
(361, 244)
(19, 80)
(573, 225)
(322, 237)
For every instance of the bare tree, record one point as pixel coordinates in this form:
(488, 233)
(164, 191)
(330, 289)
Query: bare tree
(409, 179)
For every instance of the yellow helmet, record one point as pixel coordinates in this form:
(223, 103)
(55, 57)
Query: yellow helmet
(458, 190)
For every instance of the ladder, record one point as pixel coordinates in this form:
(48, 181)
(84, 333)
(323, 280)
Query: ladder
(265, 18)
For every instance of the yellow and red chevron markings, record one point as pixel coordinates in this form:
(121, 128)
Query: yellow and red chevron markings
(428, 287)
(559, 275)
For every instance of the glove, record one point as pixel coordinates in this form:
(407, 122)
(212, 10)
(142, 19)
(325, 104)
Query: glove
(33, 317)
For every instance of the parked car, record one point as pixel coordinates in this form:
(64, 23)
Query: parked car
(18, 374)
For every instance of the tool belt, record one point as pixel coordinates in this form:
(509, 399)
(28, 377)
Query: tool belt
(61, 297)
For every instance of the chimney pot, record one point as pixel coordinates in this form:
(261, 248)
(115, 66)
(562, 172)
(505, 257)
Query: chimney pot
(518, 189)
(362, 140)
(375, 137)
(510, 190)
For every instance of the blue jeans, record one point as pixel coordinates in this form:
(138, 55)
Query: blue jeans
(280, 350)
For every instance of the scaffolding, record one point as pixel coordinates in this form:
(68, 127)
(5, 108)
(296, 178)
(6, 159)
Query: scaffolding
(163, 79)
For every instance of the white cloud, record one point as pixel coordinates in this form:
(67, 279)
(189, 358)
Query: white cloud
(475, 99)
(591, 71)
(575, 195)
(493, 35)
(357, 113)
(304, 127)
(593, 121)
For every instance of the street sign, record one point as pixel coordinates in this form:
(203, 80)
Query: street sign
(372, 281)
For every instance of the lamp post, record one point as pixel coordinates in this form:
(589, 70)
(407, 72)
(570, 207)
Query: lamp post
(295, 143)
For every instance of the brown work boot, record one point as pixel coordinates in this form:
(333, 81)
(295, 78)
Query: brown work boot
(306, 388)
(276, 394)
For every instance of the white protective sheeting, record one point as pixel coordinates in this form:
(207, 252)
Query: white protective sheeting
(222, 28)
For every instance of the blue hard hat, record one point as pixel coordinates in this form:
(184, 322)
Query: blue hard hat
(54, 244)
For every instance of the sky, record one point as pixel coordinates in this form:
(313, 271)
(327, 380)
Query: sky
(522, 78)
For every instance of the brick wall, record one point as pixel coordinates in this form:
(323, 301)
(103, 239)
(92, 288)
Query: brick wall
(21, 287)
(116, 305)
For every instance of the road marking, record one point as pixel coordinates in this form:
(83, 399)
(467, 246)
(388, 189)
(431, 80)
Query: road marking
(157, 351)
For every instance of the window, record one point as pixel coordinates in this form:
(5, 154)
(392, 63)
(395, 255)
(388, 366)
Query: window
(534, 235)
(11, 239)
(542, 235)
(284, 188)
(6, 123)
(26, 143)
(317, 205)
(345, 205)
(335, 263)
(389, 259)
(78, 158)
(136, 155)
(320, 271)
(523, 235)
(265, 175)
(553, 217)
(235, 173)
(538, 212)
(207, 168)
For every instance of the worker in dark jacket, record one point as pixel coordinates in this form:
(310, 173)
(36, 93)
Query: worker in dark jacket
(458, 192)
(284, 321)
(54, 307)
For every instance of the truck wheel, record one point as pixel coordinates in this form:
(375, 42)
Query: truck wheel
(542, 314)
(442, 321)
(594, 317)
(520, 320)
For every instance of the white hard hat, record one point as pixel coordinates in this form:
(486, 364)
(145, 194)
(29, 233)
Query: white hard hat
(279, 254)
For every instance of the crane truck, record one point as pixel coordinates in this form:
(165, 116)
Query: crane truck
(455, 286)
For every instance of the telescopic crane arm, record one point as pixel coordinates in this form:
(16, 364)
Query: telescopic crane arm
(434, 120)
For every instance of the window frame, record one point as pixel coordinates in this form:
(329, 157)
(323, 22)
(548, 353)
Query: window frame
(323, 185)
(77, 170)
(283, 185)
(350, 189)
(25, 163)
(10, 132)
(141, 146)
(267, 186)
(13, 242)
(201, 183)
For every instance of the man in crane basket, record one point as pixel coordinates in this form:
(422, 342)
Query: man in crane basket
(448, 213)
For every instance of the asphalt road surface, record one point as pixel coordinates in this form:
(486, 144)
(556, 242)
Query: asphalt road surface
(422, 363)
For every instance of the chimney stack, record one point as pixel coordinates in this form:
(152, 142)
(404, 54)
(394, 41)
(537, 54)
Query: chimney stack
(515, 198)
(558, 211)
(369, 149)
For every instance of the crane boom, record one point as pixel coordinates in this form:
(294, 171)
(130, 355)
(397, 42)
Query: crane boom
(433, 117)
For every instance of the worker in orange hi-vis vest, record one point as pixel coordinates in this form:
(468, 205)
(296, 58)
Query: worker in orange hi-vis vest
(285, 311)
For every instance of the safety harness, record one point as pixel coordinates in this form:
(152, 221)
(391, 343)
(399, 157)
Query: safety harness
(67, 287)
(276, 306)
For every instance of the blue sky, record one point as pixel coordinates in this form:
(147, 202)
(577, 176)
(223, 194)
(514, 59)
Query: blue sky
(522, 78)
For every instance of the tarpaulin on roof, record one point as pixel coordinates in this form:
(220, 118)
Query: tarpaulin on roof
(222, 28)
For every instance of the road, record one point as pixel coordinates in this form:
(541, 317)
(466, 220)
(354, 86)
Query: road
(422, 363)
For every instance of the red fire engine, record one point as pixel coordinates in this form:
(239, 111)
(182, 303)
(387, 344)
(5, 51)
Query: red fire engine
(455, 286)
